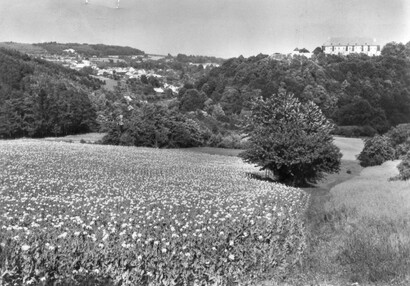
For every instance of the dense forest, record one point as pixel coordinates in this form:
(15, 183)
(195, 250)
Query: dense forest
(39, 98)
(198, 59)
(361, 94)
(89, 50)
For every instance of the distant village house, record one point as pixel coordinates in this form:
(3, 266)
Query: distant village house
(69, 51)
(301, 52)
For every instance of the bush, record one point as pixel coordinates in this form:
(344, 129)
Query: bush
(113, 136)
(192, 100)
(126, 139)
(154, 125)
(376, 151)
(400, 139)
(402, 149)
(399, 134)
(214, 140)
(291, 139)
(404, 169)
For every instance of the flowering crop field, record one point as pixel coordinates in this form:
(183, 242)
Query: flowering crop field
(139, 216)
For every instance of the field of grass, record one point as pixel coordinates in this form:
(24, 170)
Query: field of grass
(215, 151)
(372, 195)
(362, 231)
(139, 216)
(350, 147)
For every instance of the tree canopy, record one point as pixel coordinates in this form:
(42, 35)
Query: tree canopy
(290, 138)
(39, 99)
(338, 84)
(89, 50)
(153, 125)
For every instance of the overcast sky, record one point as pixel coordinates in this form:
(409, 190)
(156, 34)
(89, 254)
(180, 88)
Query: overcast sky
(225, 28)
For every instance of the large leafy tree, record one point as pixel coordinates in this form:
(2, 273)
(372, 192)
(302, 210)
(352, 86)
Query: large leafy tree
(192, 100)
(292, 139)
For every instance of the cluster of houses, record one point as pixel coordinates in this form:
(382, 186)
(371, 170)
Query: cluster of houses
(127, 72)
(72, 60)
(335, 46)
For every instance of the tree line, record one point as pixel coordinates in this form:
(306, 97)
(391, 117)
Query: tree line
(89, 50)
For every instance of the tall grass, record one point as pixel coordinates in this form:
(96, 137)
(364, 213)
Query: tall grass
(370, 221)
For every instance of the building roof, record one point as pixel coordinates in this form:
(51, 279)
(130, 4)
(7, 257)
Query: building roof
(353, 41)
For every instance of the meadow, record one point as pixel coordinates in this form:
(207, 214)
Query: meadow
(74, 213)
(362, 231)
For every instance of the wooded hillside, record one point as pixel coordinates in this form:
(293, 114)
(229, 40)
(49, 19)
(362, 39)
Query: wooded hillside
(357, 90)
(39, 98)
(90, 50)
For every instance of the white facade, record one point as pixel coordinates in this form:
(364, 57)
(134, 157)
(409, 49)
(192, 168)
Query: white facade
(339, 46)
(71, 51)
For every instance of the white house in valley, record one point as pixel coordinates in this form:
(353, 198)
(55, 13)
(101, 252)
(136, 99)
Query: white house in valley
(345, 46)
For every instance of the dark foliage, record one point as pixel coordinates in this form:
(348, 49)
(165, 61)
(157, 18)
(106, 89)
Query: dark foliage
(38, 98)
(376, 151)
(354, 90)
(400, 139)
(354, 131)
(90, 50)
(399, 134)
(404, 169)
(192, 100)
(154, 125)
(198, 59)
(291, 139)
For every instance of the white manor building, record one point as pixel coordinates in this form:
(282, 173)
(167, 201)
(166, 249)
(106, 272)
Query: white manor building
(345, 46)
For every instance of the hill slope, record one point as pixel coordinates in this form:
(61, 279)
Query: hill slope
(89, 50)
(353, 90)
(23, 48)
(38, 98)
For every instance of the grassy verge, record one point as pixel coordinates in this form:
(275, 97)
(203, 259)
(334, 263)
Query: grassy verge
(86, 138)
(216, 151)
(350, 146)
(360, 231)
